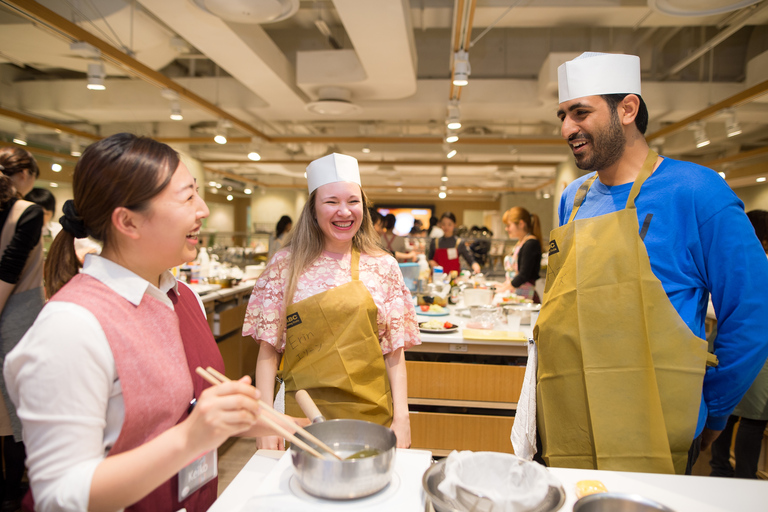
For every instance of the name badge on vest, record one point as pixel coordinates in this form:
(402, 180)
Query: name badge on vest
(197, 474)
(453, 253)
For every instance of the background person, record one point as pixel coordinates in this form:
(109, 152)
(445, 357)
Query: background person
(445, 251)
(278, 238)
(395, 244)
(21, 296)
(643, 240)
(523, 265)
(434, 230)
(752, 412)
(104, 378)
(51, 228)
(349, 314)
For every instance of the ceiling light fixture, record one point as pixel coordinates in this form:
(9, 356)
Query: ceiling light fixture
(253, 151)
(453, 121)
(699, 134)
(451, 153)
(21, 137)
(229, 197)
(732, 126)
(441, 195)
(760, 179)
(444, 177)
(366, 149)
(722, 174)
(96, 75)
(399, 189)
(74, 148)
(176, 111)
(461, 68)
(451, 137)
(247, 191)
(56, 167)
(220, 135)
(54, 184)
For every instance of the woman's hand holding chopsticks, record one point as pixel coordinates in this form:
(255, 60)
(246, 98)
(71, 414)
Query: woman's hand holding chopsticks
(223, 411)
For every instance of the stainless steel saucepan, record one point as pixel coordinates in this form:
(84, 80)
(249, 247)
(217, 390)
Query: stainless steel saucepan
(349, 478)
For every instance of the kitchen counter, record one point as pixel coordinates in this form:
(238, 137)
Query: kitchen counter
(462, 393)
(681, 493)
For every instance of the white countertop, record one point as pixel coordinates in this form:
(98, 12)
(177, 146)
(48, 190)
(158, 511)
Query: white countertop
(457, 337)
(681, 493)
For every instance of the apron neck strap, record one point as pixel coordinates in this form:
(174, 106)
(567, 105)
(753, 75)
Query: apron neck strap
(645, 171)
(581, 194)
(355, 264)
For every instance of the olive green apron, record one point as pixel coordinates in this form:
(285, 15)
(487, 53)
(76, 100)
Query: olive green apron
(620, 374)
(332, 351)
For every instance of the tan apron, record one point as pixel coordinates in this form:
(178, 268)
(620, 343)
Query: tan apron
(620, 374)
(332, 350)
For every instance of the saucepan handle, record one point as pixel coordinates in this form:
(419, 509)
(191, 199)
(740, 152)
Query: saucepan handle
(308, 406)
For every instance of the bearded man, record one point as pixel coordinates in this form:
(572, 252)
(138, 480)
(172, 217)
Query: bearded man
(624, 380)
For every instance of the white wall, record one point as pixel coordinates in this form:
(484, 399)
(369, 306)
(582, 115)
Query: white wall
(222, 217)
(755, 197)
(269, 206)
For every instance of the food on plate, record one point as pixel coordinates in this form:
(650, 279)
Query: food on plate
(516, 299)
(434, 308)
(424, 307)
(436, 325)
(587, 487)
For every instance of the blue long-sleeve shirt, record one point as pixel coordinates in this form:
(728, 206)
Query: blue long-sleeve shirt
(699, 242)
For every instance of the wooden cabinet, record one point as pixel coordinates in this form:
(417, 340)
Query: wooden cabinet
(462, 406)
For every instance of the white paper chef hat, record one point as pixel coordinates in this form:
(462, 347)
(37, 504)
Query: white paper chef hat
(593, 74)
(331, 169)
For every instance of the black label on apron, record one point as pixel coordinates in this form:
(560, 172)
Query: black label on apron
(553, 249)
(292, 320)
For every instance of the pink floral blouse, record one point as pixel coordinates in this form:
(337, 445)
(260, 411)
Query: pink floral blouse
(380, 274)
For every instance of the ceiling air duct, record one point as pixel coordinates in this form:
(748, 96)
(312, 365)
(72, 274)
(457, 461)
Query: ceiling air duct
(333, 101)
(250, 11)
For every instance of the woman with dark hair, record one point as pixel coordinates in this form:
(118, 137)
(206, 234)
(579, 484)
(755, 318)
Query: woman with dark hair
(394, 244)
(280, 236)
(21, 295)
(445, 251)
(523, 265)
(104, 381)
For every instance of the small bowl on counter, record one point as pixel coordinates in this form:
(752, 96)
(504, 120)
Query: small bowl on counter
(618, 502)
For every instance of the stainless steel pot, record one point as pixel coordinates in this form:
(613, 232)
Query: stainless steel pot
(618, 502)
(346, 479)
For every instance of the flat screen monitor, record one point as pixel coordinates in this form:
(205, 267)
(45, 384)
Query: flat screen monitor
(405, 216)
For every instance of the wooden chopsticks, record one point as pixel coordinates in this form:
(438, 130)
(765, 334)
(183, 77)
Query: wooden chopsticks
(214, 377)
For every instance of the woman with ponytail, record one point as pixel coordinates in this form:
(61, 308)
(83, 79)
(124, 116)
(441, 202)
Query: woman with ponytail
(114, 415)
(21, 295)
(523, 265)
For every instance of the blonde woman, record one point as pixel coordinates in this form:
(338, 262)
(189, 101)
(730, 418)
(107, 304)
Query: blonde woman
(523, 265)
(333, 305)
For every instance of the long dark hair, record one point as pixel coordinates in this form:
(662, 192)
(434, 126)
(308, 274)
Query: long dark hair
(282, 224)
(122, 170)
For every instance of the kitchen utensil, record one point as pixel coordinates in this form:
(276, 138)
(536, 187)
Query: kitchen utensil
(349, 478)
(618, 502)
(441, 503)
(484, 317)
(525, 309)
(214, 377)
(311, 411)
(477, 296)
(308, 406)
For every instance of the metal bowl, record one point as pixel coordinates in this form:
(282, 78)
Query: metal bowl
(441, 503)
(617, 502)
(346, 479)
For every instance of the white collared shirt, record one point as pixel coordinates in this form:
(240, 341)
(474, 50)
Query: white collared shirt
(63, 380)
